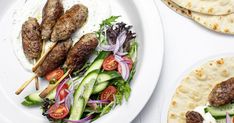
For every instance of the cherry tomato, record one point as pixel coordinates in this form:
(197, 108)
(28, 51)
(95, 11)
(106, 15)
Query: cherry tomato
(63, 93)
(129, 62)
(58, 111)
(108, 93)
(110, 63)
(56, 74)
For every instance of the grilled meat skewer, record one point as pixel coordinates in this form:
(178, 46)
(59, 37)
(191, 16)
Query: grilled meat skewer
(31, 38)
(55, 58)
(67, 24)
(76, 58)
(52, 11)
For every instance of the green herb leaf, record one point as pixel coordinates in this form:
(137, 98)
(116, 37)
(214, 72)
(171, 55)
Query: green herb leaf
(109, 21)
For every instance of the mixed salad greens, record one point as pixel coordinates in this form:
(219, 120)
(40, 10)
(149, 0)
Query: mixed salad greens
(100, 85)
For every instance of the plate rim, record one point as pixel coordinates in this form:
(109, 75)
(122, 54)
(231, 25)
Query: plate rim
(160, 59)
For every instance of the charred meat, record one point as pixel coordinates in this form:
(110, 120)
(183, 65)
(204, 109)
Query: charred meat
(31, 38)
(55, 58)
(68, 23)
(193, 117)
(81, 51)
(222, 93)
(52, 11)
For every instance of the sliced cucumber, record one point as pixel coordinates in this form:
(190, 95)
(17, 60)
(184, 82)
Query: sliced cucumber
(220, 112)
(100, 87)
(84, 91)
(77, 108)
(97, 63)
(34, 99)
(106, 76)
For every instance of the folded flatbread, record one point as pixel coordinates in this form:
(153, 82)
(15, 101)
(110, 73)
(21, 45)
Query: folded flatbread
(195, 87)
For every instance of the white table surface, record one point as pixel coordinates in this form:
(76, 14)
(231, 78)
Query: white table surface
(186, 43)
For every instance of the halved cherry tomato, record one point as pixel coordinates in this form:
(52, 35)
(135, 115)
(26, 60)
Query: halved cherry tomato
(110, 63)
(58, 111)
(63, 93)
(56, 74)
(129, 62)
(108, 93)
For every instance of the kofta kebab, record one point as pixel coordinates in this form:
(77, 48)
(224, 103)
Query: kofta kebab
(58, 27)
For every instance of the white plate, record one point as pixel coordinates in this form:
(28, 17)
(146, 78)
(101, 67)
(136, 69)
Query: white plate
(142, 14)
(173, 88)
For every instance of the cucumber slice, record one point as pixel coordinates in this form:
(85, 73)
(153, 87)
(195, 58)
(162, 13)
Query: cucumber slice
(34, 99)
(84, 90)
(100, 87)
(77, 108)
(220, 112)
(106, 76)
(97, 64)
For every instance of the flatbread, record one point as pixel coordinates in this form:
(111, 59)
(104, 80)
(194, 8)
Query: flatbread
(223, 24)
(194, 89)
(211, 7)
(182, 11)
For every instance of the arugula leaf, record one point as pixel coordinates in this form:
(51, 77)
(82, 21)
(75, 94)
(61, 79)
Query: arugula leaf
(109, 21)
(124, 90)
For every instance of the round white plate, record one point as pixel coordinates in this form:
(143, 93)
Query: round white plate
(173, 88)
(143, 15)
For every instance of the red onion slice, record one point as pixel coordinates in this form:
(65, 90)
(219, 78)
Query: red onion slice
(120, 41)
(121, 53)
(86, 119)
(228, 118)
(57, 98)
(98, 101)
(124, 66)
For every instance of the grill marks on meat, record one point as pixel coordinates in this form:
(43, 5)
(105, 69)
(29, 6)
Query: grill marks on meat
(55, 58)
(81, 51)
(222, 93)
(68, 23)
(31, 38)
(52, 11)
(193, 117)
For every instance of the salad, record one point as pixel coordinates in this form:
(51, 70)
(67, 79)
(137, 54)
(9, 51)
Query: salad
(100, 85)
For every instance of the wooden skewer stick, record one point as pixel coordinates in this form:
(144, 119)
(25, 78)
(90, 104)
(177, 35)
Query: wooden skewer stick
(43, 47)
(22, 87)
(37, 82)
(50, 87)
(40, 61)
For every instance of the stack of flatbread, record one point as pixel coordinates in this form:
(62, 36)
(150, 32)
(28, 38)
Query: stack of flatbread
(216, 15)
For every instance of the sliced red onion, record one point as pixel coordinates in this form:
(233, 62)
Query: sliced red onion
(69, 99)
(57, 98)
(120, 41)
(86, 119)
(228, 118)
(121, 53)
(124, 66)
(98, 101)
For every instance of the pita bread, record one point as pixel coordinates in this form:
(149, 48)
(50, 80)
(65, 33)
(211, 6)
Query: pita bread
(222, 24)
(178, 9)
(211, 7)
(194, 89)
